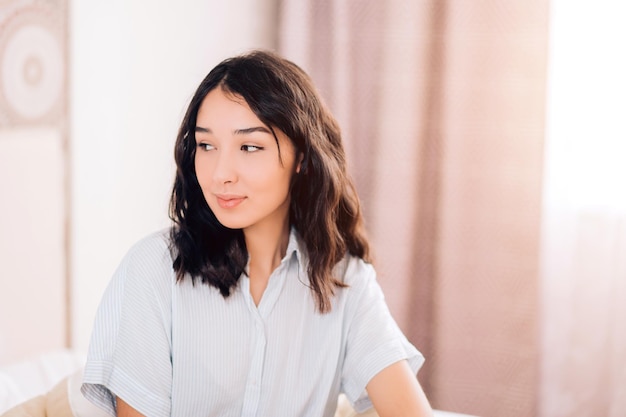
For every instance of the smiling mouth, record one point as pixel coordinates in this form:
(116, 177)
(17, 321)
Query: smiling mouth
(229, 202)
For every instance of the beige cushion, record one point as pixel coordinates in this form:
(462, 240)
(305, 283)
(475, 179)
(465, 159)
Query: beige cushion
(344, 409)
(55, 403)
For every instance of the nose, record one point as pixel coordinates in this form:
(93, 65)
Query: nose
(225, 169)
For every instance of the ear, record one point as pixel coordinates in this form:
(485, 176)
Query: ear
(299, 164)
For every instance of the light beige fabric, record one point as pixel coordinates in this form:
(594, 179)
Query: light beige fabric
(344, 409)
(35, 407)
(54, 404)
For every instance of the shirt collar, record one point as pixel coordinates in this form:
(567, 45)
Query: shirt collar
(295, 247)
(293, 254)
(294, 250)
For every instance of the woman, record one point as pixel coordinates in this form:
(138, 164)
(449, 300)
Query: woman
(259, 301)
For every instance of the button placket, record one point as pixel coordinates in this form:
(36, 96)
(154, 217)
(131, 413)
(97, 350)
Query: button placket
(252, 394)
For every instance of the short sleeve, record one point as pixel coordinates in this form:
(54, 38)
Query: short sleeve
(130, 349)
(374, 340)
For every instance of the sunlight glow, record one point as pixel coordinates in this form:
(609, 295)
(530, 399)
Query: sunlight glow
(586, 122)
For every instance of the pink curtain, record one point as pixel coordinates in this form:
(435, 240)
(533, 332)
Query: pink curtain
(442, 107)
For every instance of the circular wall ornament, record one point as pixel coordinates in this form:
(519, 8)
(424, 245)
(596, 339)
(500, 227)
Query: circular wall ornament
(32, 71)
(32, 66)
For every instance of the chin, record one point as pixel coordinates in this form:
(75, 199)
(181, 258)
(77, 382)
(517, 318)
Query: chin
(231, 223)
(233, 226)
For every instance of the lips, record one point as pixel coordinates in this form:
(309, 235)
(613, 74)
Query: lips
(227, 201)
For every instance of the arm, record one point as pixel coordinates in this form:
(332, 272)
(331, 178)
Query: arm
(395, 392)
(125, 410)
(129, 351)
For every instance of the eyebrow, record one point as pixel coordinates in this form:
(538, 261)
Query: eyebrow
(245, 131)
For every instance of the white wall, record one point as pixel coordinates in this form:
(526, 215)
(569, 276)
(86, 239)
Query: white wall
(134, 67)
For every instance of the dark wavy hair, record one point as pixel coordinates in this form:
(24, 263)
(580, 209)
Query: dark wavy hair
(324, 208)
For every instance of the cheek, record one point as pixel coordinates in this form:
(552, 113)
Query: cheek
(202, 170)
(280, 185)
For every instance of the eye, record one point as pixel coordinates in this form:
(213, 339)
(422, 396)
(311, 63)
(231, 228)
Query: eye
(251, 148)
(205, 146)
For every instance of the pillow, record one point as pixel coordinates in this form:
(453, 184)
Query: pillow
(35, 407)
(10, 394)
(54, 403)
(37, 375)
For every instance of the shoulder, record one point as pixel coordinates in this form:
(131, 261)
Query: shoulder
(154, 247)
(150, 253)
(355, 272)
(359, 277)
(147, 263)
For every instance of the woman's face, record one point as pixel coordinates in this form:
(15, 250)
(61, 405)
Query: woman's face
(243, 178)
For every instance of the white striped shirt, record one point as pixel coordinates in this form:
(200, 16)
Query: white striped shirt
(171, 349)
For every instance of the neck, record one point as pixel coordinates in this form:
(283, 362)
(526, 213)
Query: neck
(267, 247)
